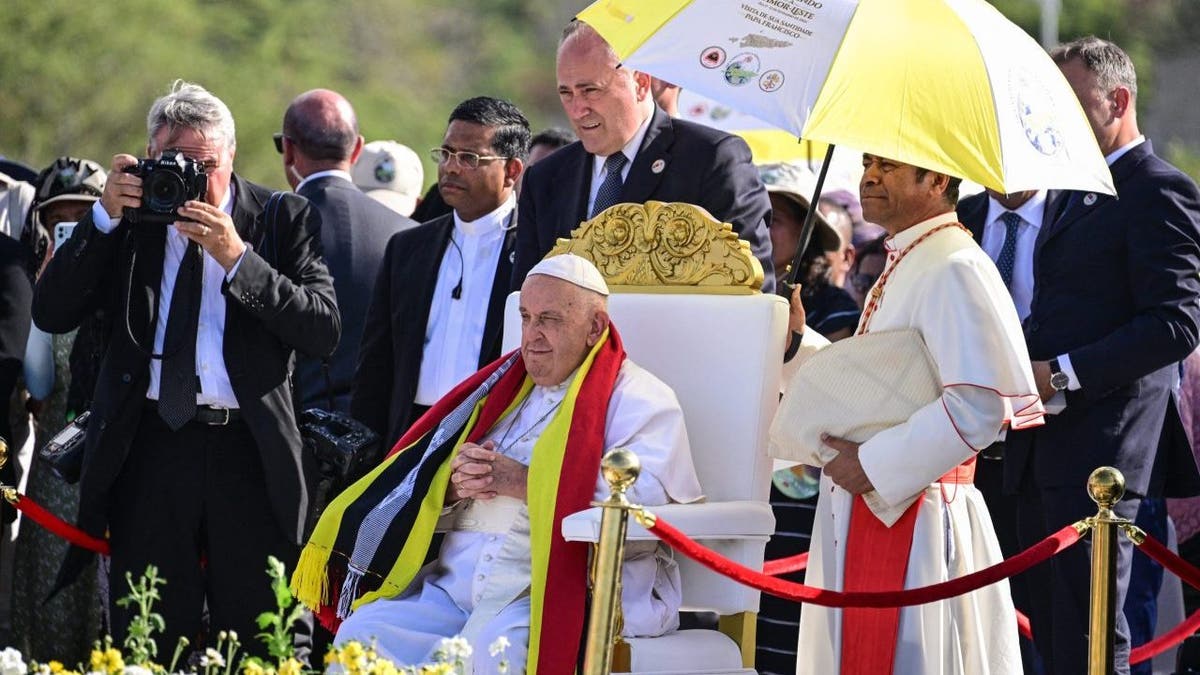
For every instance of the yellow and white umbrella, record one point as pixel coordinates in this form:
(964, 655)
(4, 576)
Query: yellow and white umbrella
(768, 144)
(948, 85)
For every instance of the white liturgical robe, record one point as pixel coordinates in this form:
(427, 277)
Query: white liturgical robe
(948, 289)
(478, 586)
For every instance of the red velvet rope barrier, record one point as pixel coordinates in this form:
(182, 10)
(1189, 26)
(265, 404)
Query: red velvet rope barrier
(1165, 641)
(779, 566)
(1035, 554)
(58, 526)
(1165, 557)
(799, 562)
(1188, 573)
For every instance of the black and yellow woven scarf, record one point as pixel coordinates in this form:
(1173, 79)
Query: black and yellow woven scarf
(373, 538)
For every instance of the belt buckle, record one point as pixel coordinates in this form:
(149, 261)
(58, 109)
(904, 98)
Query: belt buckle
(218, 423)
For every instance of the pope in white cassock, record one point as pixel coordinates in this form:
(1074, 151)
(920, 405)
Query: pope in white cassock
(503, 458)
(923, 521)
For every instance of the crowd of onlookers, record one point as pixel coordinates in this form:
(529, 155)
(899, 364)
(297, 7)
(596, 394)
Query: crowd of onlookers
(419, 276)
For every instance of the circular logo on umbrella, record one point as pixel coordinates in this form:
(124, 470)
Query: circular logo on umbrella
(713, 57)
(770, 81)
(741, 69)
(1035, 110)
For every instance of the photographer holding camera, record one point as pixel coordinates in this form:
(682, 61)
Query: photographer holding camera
(192, 458)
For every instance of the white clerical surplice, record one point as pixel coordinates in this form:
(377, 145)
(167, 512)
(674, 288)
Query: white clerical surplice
(946, 288)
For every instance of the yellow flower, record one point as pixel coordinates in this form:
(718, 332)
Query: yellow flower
(382, 667)
(253, 668)
(56, 666)
(331, 656)
(112, 661)
(291, 667)
(352, 652)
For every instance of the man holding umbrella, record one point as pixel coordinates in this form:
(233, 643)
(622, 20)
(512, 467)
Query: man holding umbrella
(899, 510)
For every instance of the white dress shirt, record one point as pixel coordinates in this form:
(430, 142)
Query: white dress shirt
(321, 174)
(215, 389)
(454, 333)
(630, 151)
(994, 231)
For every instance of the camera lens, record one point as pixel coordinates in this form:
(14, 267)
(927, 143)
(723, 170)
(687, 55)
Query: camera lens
(164, 191)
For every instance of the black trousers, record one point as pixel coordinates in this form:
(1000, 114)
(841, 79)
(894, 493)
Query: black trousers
(193, 503)
(1061, 586)
(989, 479)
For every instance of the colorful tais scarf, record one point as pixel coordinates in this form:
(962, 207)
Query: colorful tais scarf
(373, 538)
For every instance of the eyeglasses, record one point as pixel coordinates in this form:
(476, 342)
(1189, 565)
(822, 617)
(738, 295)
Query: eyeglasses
(278, 138)
(465, 158)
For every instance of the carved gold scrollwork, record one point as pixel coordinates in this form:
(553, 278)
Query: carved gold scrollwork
(665, 247)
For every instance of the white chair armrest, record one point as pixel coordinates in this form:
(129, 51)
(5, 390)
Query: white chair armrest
(706, 520)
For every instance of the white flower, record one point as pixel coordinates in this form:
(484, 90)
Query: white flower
(497, 648)
(455, 649)
(212, 658)
(11, 662)
(136, 670)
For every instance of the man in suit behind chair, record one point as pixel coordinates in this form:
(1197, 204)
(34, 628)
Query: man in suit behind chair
(1006, 226)
(1115, 307)
(193, 459)
(319, 143)
(631, 151)
(438, 306)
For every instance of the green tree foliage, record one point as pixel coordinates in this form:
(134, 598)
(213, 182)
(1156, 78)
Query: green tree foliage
(78, 77)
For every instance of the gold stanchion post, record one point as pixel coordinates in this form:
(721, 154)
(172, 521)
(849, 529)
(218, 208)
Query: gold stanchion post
(620, 468)
(1105, 486)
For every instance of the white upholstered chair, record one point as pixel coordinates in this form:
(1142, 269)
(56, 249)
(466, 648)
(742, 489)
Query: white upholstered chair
(704, 330)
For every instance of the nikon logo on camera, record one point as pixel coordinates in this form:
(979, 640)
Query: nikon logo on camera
(167, 183)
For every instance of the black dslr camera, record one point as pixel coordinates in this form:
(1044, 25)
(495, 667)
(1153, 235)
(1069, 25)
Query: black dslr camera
(167, 183)
(344, 450)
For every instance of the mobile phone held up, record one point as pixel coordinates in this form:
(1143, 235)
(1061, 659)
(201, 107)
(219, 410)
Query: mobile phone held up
(62, 232)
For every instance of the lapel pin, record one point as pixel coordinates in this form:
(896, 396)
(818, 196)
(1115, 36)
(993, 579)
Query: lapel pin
(1089, 199)
(658, 166)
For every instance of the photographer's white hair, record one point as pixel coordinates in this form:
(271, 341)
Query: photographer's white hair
(191, 106)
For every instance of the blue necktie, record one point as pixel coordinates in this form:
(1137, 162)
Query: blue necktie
(610, 189)
(1008, 252)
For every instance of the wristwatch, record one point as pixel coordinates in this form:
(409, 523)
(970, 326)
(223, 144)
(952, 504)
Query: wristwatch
(1058, 379)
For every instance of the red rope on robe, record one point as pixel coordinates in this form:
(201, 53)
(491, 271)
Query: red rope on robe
(1040, 552)
(58, 526)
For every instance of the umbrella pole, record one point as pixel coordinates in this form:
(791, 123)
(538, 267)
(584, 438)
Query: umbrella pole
(807, 228)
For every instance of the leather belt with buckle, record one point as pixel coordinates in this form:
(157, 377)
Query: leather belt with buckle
(206, 414)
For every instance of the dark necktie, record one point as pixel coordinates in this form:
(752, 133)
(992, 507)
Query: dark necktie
(177, 385)
(1008, 252)
(610, 189)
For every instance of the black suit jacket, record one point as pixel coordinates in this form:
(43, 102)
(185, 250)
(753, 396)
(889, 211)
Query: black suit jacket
(355, 230)
(16, 296)
(972, 211)
(1116, 287)
(393, 344)
(700, 166)
(280, 300)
